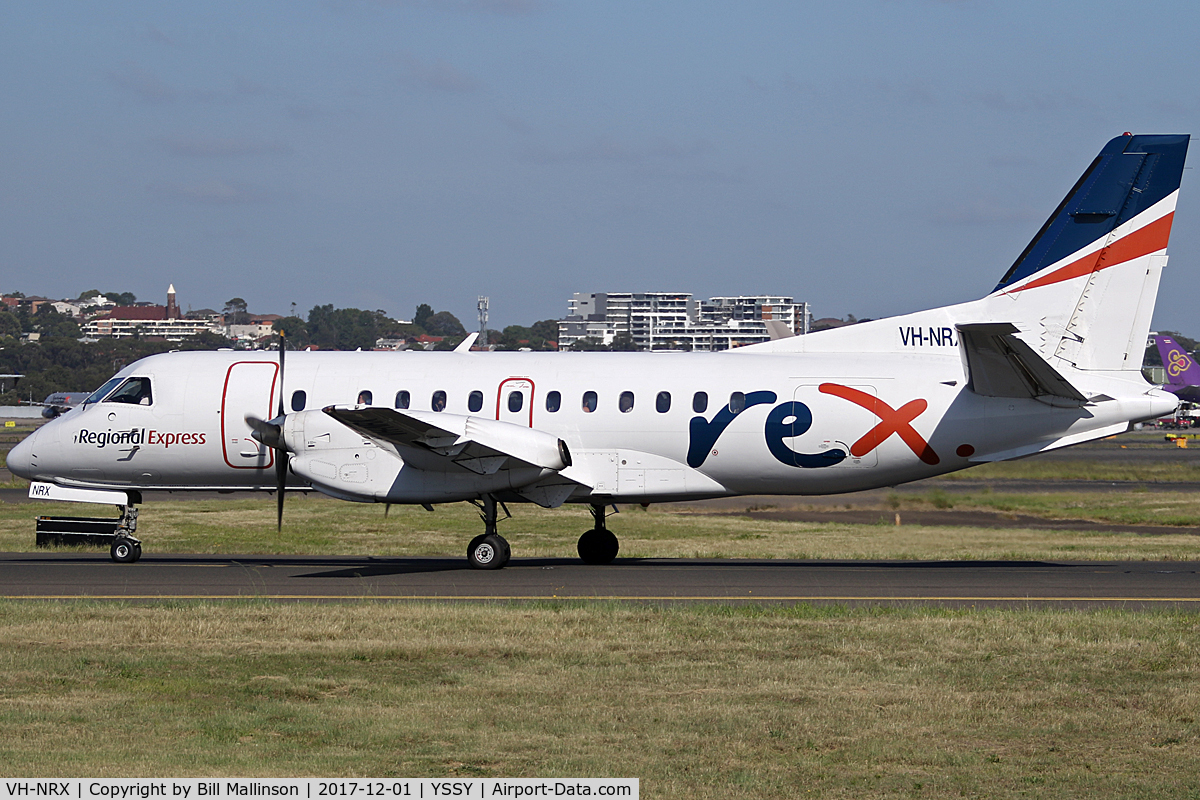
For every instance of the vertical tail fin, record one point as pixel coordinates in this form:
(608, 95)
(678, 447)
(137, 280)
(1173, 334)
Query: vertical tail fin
(1182, 369)
(1090, 276)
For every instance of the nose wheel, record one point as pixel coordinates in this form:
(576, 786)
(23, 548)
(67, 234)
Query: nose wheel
(125, 550)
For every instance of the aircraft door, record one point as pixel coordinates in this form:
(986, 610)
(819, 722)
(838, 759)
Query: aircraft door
(514, 401)
(249, 389)
(836, 425)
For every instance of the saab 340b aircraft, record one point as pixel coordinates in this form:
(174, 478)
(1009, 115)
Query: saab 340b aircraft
(1051, 357)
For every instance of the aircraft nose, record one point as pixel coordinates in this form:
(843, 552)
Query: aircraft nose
(22, 459)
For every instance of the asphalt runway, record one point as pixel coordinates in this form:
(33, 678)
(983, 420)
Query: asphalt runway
(1133, 585)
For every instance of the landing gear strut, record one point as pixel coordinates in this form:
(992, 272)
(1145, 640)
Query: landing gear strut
(125, 548)
(489, 550)
(599, 545)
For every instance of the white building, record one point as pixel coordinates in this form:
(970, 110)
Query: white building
(147, 322)
(675, 321)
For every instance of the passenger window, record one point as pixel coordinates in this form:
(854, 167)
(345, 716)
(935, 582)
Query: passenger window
(402, 399)
(135, 391)
(475, 400)
(515, 401)
(700, 402)
(299, 398)
(737, 402)
(662, 403)
(626, 402)
(553, 401)
(589, 402)
(438, 401)
(365, 397)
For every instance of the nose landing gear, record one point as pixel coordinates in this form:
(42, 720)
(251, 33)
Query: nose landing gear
(599, 545)
(126, 549)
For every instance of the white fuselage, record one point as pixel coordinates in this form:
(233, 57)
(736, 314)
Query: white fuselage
(877, 419)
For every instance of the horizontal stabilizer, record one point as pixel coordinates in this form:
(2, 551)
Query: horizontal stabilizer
(1001, 365)
(479, 445)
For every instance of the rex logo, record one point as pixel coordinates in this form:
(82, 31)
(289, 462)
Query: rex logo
(793, 418)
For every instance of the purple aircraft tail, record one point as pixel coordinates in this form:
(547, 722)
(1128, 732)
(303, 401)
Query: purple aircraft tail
(1182, 369)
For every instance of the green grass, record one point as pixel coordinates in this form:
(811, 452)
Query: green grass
(317, 525)
(705, 702)
(1119, 507)
(1106, 467)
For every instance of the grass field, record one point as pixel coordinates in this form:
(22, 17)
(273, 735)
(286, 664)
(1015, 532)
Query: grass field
(704, 702)
(316, 525)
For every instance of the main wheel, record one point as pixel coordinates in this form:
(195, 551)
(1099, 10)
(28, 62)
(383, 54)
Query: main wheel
(488, 551)
(124, 550)
(598, 546)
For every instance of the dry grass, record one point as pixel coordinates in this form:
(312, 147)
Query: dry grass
(698, 702)
(321, 526)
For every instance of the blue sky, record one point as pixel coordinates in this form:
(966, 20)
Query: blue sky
(870, 157)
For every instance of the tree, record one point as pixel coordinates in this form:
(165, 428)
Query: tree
(294, 328)
(443, 323)
(206, 340)
(588, 343)
(9, 325)
(235, 312)
(342, 328)
(121, 298)
(546, 330)
(623, 342)
(50, 323)
(424, 312)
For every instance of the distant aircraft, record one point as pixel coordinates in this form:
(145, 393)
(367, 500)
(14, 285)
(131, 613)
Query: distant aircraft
(59, 403)
(1051, 357)
(1183, 374)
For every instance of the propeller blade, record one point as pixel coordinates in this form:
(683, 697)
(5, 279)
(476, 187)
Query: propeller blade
(281, 464)
(282, 340)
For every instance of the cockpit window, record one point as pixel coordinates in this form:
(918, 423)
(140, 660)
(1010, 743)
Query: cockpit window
(102, 392)
(134, 391)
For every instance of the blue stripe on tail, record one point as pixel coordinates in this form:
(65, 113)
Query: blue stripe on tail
(1131, 174)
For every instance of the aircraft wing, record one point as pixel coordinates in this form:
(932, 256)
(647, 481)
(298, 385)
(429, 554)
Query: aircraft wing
(439, 439)
(1001, 365)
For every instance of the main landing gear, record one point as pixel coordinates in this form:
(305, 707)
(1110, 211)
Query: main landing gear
(489, 550)
(599, 545)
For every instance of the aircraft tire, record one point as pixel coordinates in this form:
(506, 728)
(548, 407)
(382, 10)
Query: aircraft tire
(598, 546)
(124, 550)
(488, 551)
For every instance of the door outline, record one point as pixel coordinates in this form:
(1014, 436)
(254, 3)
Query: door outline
(224, 416)
(500, 396)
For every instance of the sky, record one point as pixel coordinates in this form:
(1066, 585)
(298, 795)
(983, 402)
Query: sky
(868, 157)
